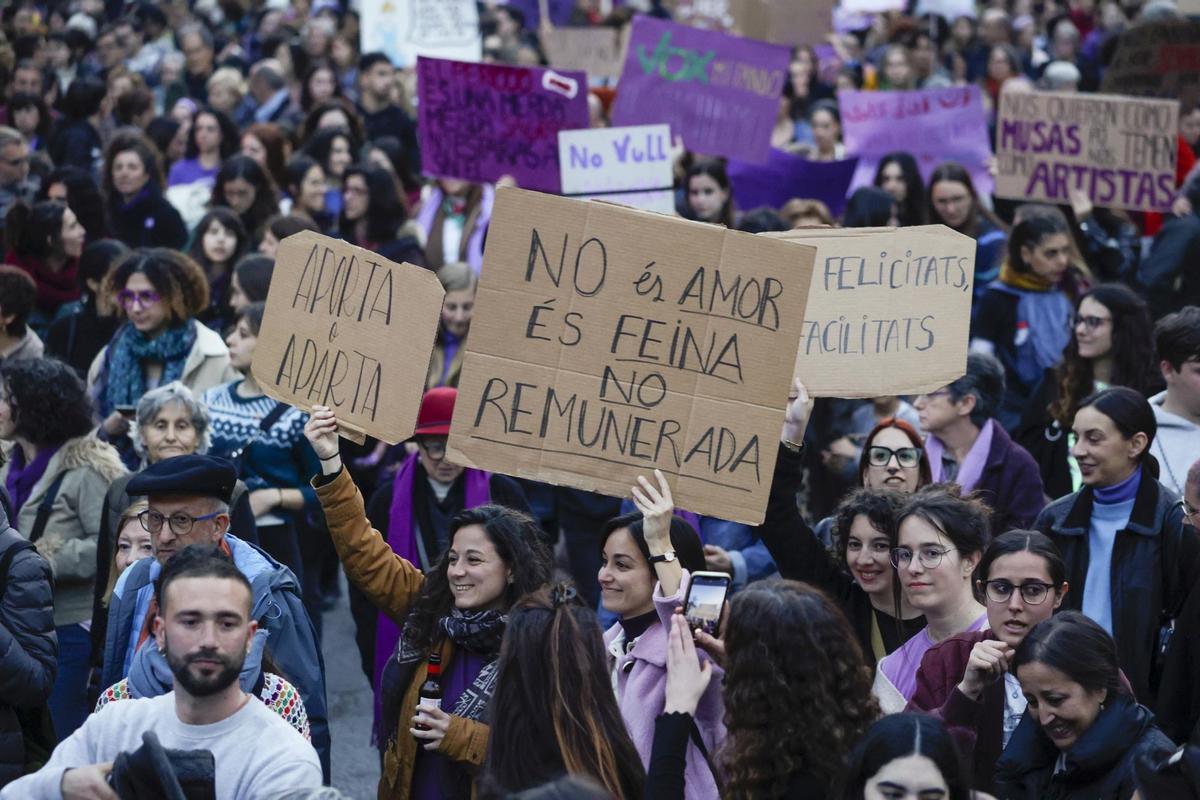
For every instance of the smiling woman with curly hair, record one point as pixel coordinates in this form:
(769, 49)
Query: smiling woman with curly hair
(797, 696)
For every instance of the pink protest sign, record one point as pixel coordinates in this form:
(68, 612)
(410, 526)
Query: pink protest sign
(480, 122)
(720, 92)
(935, 125)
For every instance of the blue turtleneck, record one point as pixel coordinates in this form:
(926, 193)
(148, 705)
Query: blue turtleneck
(1111, 508)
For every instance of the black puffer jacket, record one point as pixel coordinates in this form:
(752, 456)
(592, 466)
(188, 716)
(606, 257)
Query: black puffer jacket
(28, 645)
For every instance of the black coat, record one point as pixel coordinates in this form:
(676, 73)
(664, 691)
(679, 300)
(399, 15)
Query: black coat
(76, 144)
(1099, 765)
(149, 221)
(79, 336)
(1154, 562)
(28, 648)
(1045, 439)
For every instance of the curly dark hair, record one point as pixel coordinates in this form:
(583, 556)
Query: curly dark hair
(230, 140)
(519, 543)
(266, 196)
(49, 402)
(176, 277)
(793, 666)
(879, 506)
(1132, 354)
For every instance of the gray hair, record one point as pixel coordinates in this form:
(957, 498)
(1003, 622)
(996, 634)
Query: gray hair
(9, 136)
(152, 404)
(1061, 74)
(984, 380)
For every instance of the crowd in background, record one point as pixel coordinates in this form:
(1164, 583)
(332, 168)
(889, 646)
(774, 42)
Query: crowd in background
(984, 590)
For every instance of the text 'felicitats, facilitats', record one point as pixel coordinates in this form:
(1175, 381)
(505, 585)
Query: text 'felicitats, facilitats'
(346, 328)
(607, 342)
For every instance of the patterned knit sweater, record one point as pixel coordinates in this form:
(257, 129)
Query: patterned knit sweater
(277, 694)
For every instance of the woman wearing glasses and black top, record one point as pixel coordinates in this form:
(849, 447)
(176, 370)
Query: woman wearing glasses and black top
(159, 293)
(861, 579)
(965, 680)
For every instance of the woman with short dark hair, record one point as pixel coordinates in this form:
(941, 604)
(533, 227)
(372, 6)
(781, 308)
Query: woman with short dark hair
(1082, 732)
(912, 755)
(82, 328)
(56, 478)
(18, 295)
(139, 215)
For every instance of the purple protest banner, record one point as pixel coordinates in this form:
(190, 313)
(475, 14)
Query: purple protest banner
(720, 92)
(935, 125)
(785, 176)
(480, 122)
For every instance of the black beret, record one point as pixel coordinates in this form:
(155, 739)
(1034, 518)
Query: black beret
(200, 476)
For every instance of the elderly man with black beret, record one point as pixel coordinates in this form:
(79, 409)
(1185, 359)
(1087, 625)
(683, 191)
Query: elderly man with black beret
(189, 504)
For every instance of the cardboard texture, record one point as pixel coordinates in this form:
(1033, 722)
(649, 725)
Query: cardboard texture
(348, 329)
(609, 341)
(630, 166)
(935, 125)
(719, 92)
(774, 21)
(596, 50)
(785, 176)
(406, 29)
(481, 122)
(1158, 59)
(889, 310)
(1120, 151)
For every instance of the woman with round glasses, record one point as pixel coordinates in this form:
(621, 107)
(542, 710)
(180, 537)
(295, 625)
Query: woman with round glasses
(966, 680)
(159, 293)
(860, 578)
(940, 539)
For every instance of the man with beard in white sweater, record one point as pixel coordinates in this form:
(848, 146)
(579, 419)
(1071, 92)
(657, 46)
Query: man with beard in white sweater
(204, 628)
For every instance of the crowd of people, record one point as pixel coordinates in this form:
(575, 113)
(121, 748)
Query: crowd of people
(986, 590)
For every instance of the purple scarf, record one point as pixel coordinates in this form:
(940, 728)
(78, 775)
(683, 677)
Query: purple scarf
(23, 477)
(402, 537)
(971, 468)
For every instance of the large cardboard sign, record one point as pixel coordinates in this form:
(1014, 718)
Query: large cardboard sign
(889, 310)
(630, 166)
(480, 122)
(935, 125)
(406, 29)
(608, 342)
(785, 176)
(348, 329)
(1158, 59)
(719, 92)
(596, 51)
(1120, 151)
(774, 21)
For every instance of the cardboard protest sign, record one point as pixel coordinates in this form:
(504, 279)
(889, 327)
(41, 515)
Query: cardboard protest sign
(480, 122)
(785, 176)
(935, 125)
(406, 29)
(889, 310)
(1158, 59)
(1120, 151)
(774, 21)
(348, 329)
(630, 166)
(607, 342)
(719, 92)
(596, 51)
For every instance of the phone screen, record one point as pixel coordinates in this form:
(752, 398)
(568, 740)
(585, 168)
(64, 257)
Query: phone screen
(706, 597)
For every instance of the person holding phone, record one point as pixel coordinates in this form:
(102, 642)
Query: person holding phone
(647, 560)
(861, 580)
(797, 696)
(966, 680)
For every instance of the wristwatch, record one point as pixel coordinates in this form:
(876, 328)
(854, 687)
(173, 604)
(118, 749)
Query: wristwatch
(667, 556)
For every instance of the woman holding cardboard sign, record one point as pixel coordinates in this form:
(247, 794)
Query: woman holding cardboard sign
(453, 615)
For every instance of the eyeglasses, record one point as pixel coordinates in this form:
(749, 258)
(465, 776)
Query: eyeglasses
(181, 523)
(929, 557)
(1091, 323)
(1032, 592)
(146, 297)
(879, 456)
(434, 448)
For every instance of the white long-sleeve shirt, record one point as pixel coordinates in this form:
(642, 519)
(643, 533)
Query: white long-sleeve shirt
(256, 752)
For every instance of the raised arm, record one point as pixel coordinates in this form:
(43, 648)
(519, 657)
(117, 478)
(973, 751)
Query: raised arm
(391, 583)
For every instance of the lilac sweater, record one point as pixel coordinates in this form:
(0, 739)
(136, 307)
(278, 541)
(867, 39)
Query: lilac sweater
(641, 682)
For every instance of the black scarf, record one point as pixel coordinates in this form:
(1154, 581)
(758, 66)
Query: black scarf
(477, 632)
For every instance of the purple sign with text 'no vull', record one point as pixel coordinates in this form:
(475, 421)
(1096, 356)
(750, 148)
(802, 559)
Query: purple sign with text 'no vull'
(480, 122)
(720, 92)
